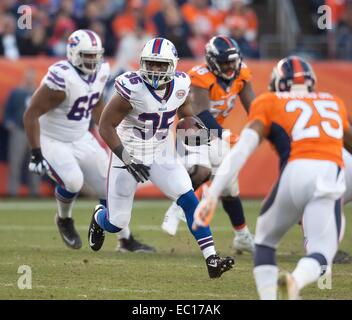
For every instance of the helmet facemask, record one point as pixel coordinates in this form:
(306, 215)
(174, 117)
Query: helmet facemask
(157, 72)
(227, 65)
(84, 51)
(90, 61)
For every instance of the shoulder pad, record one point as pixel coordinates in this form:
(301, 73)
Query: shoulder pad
(183, 78)
(245, 74)
(56, 77)
(128, 83)
(201, 77)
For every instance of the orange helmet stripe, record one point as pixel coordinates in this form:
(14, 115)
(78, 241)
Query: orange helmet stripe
(298, 72)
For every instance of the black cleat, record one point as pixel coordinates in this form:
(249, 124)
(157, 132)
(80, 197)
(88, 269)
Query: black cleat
(68, 232)
(217, 265)
(96, 235)
(133, 245)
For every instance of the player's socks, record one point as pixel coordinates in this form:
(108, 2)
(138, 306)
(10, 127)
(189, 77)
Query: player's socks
(64, 200)
(243, 240)
(308, 270)
(189, 202)
(234, 209)
(124, 233)
(266, 281)
(265, 272)
(101, 217)
(103, 202)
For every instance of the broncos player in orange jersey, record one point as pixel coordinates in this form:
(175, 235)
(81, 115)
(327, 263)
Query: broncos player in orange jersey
(215, 85)
(308, 130)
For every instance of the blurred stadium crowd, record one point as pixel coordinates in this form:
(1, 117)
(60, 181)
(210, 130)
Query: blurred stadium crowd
(126, 25)
(121, 23)
(188, 24)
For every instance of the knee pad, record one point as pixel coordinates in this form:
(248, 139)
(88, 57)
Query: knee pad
(74, 181)
(199, 175)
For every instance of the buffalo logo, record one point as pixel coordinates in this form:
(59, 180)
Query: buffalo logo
(174, 51)
(180, 93)
(73, 41)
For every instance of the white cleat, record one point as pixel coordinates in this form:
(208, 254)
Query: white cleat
(287, 287)
(244, 243)
(172, 219)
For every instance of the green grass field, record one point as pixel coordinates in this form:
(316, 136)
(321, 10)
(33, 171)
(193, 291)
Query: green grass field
(28, 236)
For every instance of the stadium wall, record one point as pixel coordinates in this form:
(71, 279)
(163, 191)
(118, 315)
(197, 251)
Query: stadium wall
(259, 173)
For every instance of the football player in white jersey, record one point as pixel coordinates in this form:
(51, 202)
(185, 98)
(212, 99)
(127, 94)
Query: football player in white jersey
(57, 126)
(135, 125)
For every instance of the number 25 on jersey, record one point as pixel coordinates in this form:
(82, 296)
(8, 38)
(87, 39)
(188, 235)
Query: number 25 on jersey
(330, 121)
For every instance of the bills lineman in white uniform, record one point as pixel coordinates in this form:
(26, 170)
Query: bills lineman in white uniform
(57, 125)
(135, 125)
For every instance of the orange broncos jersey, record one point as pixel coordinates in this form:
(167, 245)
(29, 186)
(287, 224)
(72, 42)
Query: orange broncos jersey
(302, 126)
(222, 100)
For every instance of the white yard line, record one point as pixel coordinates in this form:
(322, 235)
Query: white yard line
(23, 205)
(6, 284)
(99, 289)
(84, 204)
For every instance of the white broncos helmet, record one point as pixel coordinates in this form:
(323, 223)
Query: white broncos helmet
(84, 50)
(158, 50)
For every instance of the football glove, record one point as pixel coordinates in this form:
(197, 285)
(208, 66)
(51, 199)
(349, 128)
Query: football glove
(139, 171)
(37, 163)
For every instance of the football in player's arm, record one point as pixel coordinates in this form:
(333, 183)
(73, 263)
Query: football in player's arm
(135, 125)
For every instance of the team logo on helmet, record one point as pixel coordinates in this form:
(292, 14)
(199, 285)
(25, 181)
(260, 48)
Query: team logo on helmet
(163, 54)
(174, 51)
(73, 41)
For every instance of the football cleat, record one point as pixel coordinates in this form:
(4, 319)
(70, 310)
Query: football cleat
(68, 232)
(133, 245)
(287, 287)
(217, 265)
(244, 243)
(96, 234)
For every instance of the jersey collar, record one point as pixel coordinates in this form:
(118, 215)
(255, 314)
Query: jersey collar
(169, 89)
(90, 79)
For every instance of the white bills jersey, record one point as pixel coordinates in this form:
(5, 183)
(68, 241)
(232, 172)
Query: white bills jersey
(70, 120)
(145, 129)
